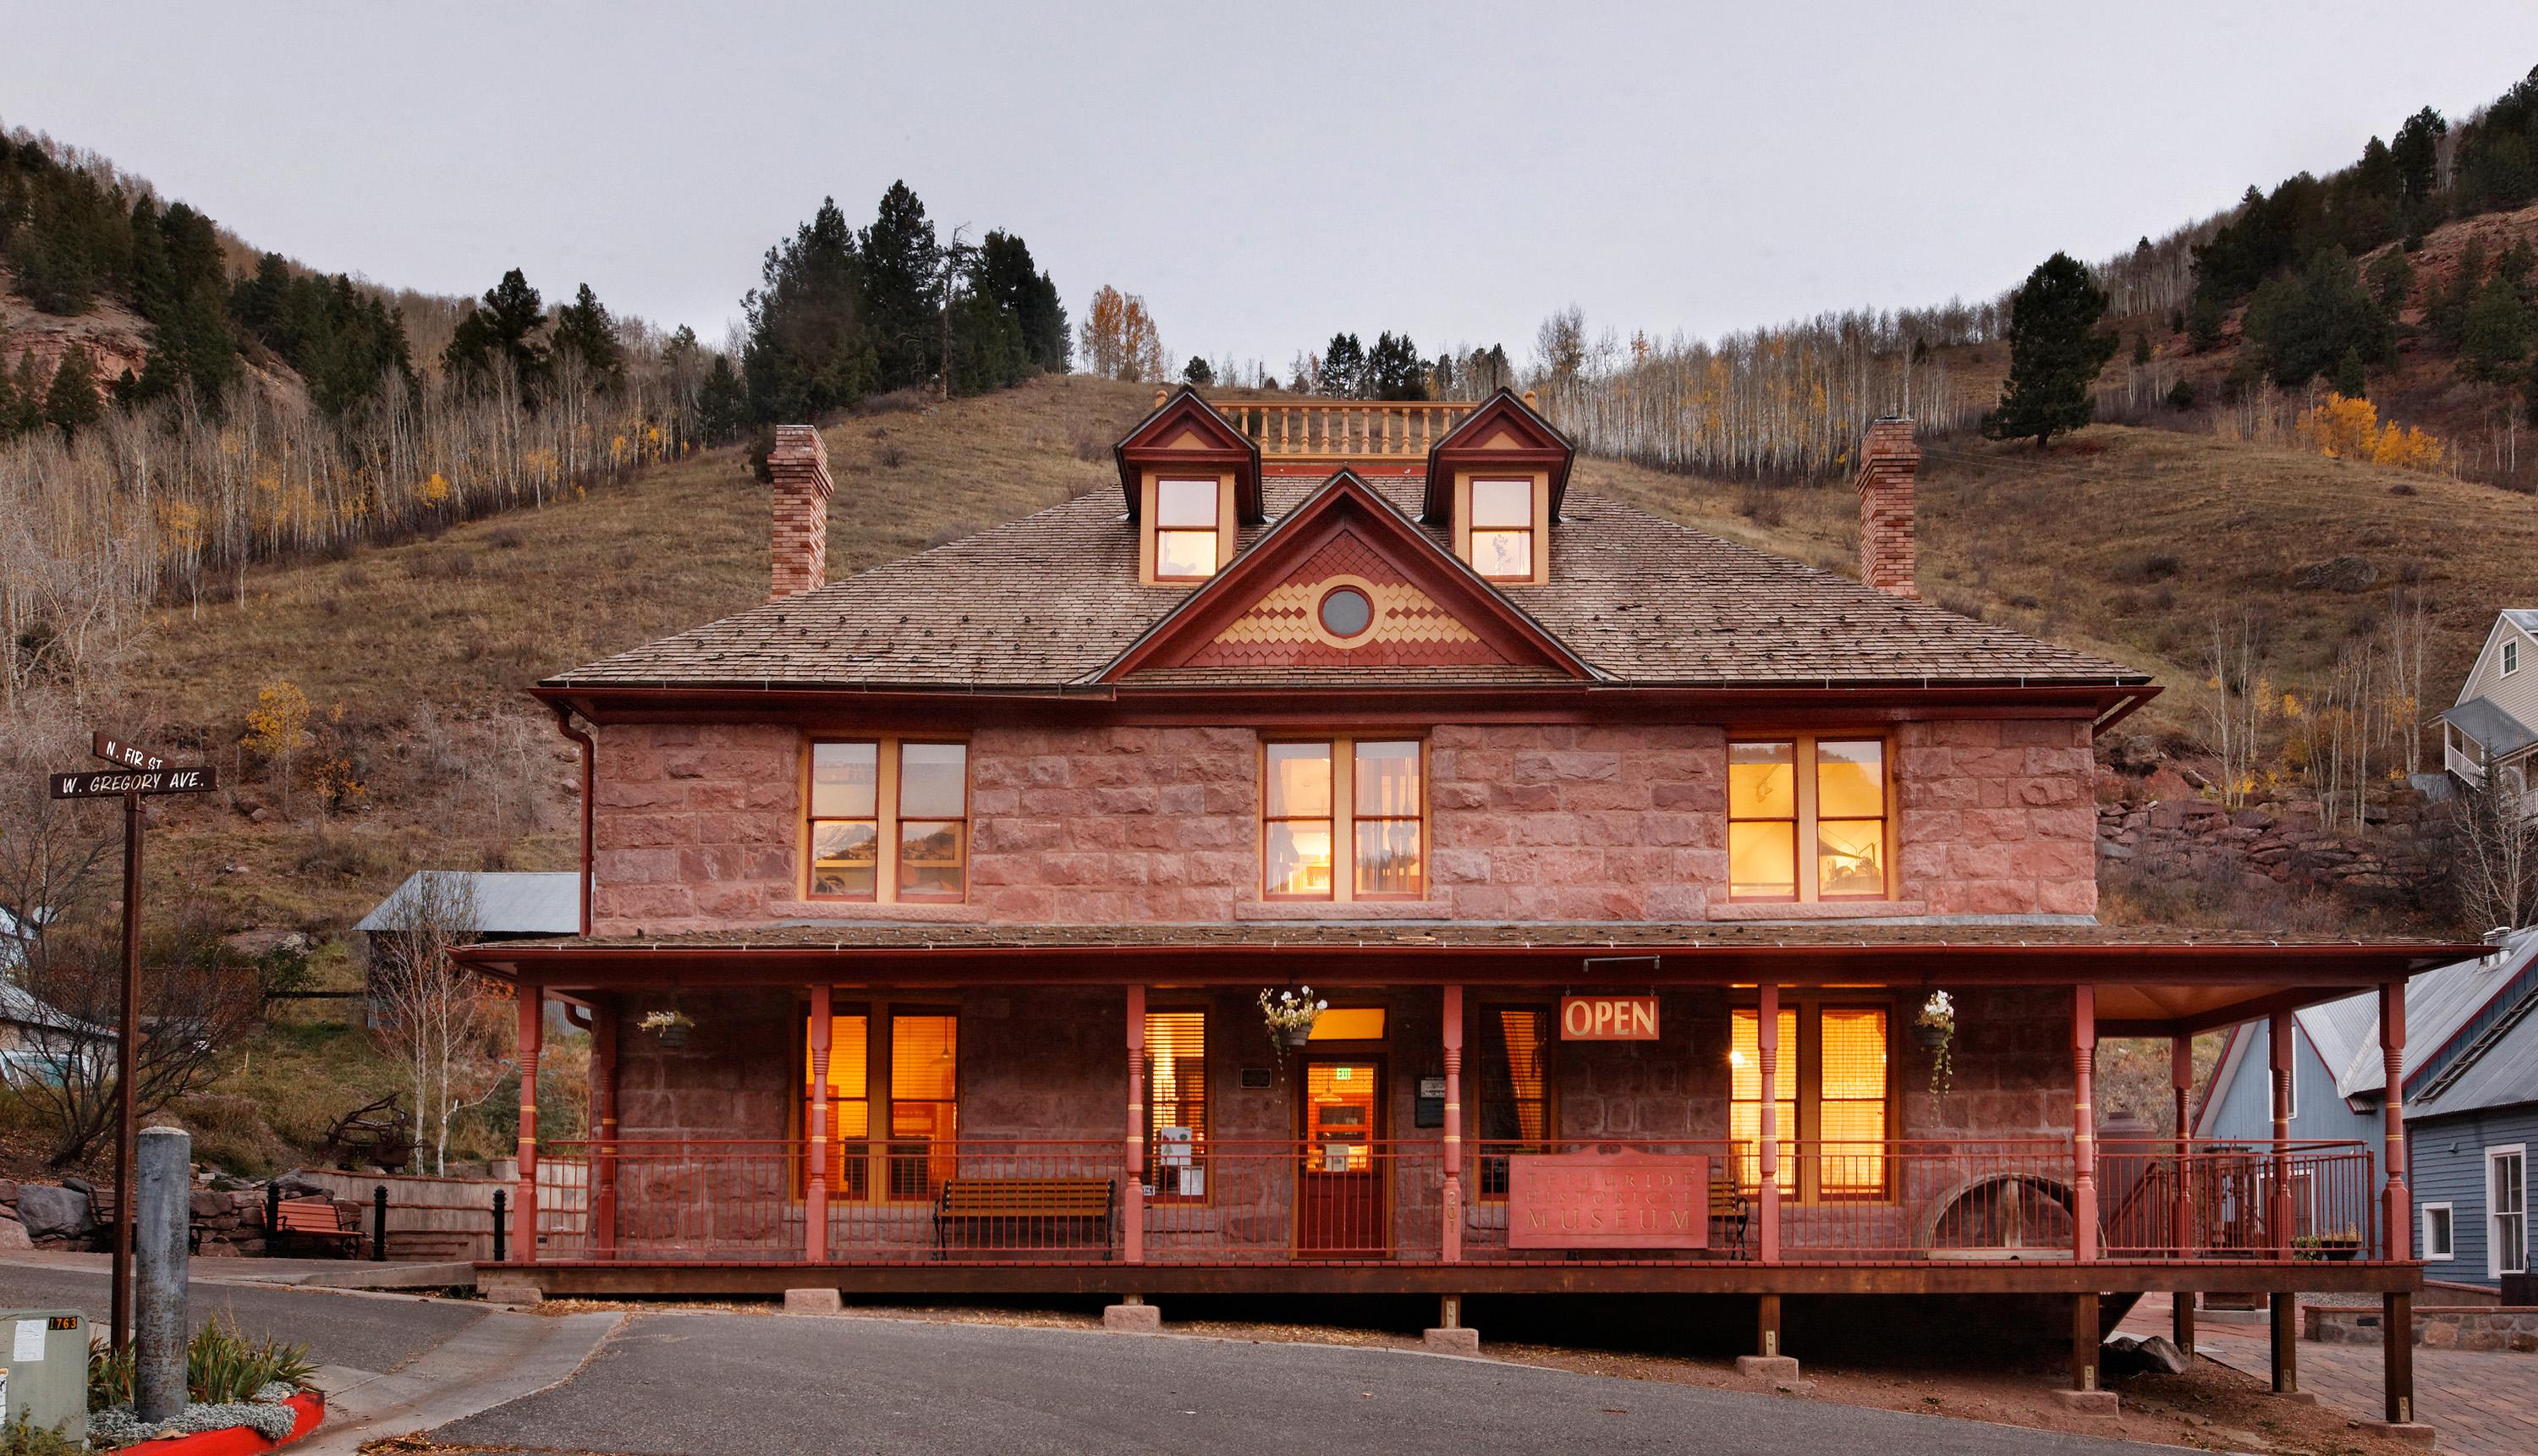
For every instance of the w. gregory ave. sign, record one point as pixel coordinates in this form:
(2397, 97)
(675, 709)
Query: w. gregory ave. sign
(114, 783)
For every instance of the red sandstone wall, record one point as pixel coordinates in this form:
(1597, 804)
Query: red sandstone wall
(698, 828)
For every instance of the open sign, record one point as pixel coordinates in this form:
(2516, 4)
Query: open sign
(1608, 1019)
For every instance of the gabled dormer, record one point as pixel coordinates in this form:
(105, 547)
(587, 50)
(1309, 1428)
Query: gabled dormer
(1190, 478)
(1497, 481)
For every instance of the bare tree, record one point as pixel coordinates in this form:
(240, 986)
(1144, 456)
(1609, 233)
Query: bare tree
(2237, 713)
(2409, 634)
(54, 854)
(2495, 865)
(198, 997)
(435, 1016)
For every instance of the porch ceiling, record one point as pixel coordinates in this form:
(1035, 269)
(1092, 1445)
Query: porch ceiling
(2149, 981)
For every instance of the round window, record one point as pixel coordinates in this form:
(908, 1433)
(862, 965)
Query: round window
(1346, 612)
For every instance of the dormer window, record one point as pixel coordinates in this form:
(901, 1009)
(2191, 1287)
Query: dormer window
(1188, 516)
(1503, 529)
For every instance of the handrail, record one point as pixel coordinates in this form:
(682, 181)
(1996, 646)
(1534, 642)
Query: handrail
(1316, 429)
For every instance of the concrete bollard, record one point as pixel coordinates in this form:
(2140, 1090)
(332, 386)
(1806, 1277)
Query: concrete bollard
(159, 1266)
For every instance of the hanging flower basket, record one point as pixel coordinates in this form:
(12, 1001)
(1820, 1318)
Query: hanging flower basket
(672, 1026)
(1290, 1016)
(1934, 1030)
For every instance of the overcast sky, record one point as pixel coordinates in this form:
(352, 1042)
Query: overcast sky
(1263, 174)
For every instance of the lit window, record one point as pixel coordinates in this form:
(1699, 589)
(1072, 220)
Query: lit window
(845, 822)
(1349, 1023)
(1503, 529)
(933, 820)
(1177, 1103)
(1828, 1092)
(1515, 1090)
(1828, 795)
(1362, 794)
(924, 1102)
(913, 796)
(1186, 530)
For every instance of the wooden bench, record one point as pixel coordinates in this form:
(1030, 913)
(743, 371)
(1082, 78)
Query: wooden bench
(312, 1221)
(101, 1208)
(1027, 1216)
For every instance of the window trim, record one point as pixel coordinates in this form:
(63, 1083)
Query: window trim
(1803, 821)
(1483, 1012)
(1343, 819)
(2424, 1233)
(887, 817)
(1203, 1133)
(1807, 1048)
(1531, 529)
(1150, 499)
(1215, 528)
(2494, 1217)
(2511, 656)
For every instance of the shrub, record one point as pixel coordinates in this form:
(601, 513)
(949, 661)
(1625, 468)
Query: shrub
(24, 1438)
(221, 1368)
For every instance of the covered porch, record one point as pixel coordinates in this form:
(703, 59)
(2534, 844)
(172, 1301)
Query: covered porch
(1082, 1144)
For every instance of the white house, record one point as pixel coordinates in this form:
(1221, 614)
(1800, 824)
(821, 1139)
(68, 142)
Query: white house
(2489, 731)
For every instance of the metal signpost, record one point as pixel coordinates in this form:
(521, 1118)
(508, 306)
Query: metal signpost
(137, 773)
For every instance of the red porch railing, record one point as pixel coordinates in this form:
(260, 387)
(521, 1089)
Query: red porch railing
(1261, 1200)
(2239, 1201)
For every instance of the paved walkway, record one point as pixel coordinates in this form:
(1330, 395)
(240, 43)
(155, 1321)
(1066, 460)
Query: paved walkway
(2478, 1403)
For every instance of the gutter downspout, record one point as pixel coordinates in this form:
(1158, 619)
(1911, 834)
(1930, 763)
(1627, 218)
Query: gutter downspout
(564, 725)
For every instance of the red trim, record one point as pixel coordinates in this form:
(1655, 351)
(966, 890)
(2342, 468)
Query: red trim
(564, 725)
(1545, 449)
(1230, 449)
(1345, 503)
(238, 1440)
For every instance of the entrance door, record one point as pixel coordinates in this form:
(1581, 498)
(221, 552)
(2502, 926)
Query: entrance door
(1340, 1202)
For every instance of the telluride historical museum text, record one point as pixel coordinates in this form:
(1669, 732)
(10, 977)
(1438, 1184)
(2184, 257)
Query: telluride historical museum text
(946, 929)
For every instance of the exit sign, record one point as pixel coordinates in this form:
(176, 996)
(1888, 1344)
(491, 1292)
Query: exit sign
(1608, 1019)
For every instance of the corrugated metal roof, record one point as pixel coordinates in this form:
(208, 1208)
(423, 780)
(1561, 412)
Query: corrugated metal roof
(2438, 1003)
(2523, 617)
(506, 902)
(2500, 1070)
(22, 1006)
(2495, 731)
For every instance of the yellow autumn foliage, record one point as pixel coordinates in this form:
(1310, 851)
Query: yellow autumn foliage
(2351, 430)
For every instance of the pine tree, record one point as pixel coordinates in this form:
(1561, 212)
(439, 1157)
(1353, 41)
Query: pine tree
(2054, 353)
(902, 262)
(2349, 378)
(2141, 349)
(808, 353)
(583, 329)
(1197, 373)
(2302, 324)
(722, 402)
(2391, 277)
(501, 326)
(2493, 332)
(1007, 275)
(29, 392)
(1344, 371)
(2417, 154)
(1394, 370)
(72, 405)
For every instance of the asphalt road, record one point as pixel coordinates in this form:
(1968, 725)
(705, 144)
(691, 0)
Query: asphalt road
(363, 1332)
(741, 1385)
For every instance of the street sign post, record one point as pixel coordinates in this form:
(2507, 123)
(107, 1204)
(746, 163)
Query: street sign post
(137, 773)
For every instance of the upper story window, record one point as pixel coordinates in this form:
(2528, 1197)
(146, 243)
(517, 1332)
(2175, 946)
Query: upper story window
(1503, 529)
(2510, 657)
(1343, 820)
(910, 796)
(1187, 517)
(1809, 820)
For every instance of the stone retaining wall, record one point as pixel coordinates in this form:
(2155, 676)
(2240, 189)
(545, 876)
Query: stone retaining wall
(2437, 1326)
(2281, 843)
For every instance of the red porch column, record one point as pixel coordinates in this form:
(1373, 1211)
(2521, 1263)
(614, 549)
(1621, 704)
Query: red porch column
(2397, 1205)
(1766, 1040)
(815, 1201)
(2180, 1083)
(2279, 1037)
(1452, 1244)
(524, 1209)
(1133, 1199)
(2084, 1122)
(604, 1015)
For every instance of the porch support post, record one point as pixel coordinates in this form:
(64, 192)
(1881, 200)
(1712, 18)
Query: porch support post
(1453, 1234)
(2180, 1083)
(1132, 1239)
(815, 1201)
(1767, 1038)
(2279, 1039)
(604, 1015)
(2084, 1336)
(524, 1207)
(1766, 1326)
(2284, 1310)
(2397, 1209)
(2397, 1356)
(2083, 1130)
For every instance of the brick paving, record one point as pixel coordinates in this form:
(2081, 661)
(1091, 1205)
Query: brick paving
(2479, 1403)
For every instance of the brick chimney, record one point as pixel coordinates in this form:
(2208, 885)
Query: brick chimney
(1887, 461)
(799, 464)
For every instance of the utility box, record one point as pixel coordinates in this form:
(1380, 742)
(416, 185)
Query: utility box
(43, 1369)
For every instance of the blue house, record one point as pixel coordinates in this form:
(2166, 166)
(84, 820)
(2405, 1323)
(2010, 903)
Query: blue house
(2471, 1091)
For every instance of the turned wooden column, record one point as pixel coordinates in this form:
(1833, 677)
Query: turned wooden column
(1766, 1040)
(2279, 1041)
(2180, 1083)
(605, 1016)
(524, 1209)
(815, 1201)
(1452, 1234)
(2083, 1123)
(2398, 1204)
(1132, 1239)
